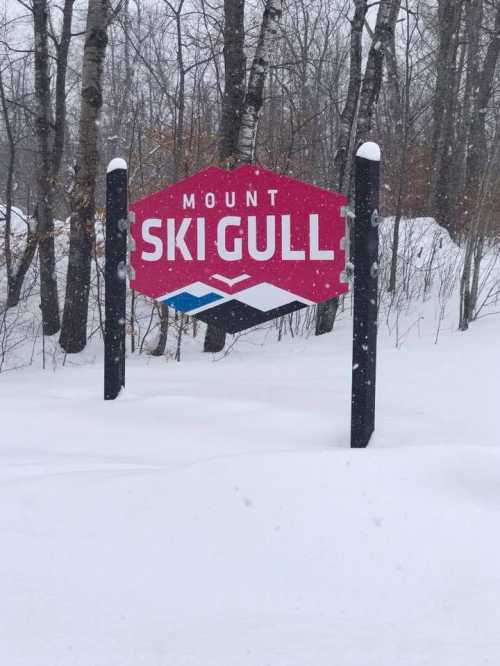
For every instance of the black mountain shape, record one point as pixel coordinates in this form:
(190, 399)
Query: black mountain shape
(234, 316)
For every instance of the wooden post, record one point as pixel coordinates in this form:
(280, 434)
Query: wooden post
(115, 278)
(365, 256)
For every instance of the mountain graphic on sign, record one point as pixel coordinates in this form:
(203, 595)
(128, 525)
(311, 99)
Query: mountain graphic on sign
(192, 296)
(234, 312)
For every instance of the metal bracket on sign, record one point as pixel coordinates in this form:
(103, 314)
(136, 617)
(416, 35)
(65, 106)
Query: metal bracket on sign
(347, 212)
(375, 218)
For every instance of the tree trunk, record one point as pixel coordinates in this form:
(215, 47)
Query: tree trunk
(16, 271)
(254, 96)
(232, 109)
(74, 331)
(368, 97)
(327, 310)
(8, 194)
(342, 154)
(474, 217)
(444, 110)
(44, 173)
(400, 110)
(234, 80)
(62, 50)
(383, 34)
(180, 107)
(470, 60)
(247, 118)
(161, 345)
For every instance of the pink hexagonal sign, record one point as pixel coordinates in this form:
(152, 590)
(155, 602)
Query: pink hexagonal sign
(238, 248)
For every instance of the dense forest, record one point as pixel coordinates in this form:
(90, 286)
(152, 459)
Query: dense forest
(295, 85)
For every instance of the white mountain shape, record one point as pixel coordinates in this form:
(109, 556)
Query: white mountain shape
(263, 297)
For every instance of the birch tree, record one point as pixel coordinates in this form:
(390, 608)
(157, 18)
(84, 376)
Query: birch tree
(254, 97)
(247, 118)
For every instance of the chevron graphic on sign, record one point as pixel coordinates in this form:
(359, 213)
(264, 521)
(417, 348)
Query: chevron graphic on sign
(238, 248)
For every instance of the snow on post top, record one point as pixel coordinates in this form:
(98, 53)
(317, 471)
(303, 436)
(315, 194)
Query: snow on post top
(369, 151)
(116, 164)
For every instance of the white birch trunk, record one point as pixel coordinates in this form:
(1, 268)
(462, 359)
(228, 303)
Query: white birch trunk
(255, 91)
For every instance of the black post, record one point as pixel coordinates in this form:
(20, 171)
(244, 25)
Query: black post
(365, 256)
(115, 278)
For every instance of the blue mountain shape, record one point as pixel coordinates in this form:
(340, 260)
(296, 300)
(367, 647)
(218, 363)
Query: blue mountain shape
(185, 302)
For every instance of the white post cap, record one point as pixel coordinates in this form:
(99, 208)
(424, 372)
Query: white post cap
(369, 151)
(117, 163)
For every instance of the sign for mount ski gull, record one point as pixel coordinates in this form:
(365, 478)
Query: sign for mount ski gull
(238, 248)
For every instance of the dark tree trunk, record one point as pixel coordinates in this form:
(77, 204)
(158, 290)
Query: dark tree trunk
(234, 80)
(62, 49)
(470, 60)
(327, 311)
(180, 109)
(348, 115)
(372, 81)
(246, 117)
(161, 345)
(16, 271)
(368, 97)
(232, 110)
(48, 163)
(74, 330)
(9, 264)
(44, 173)
(444, 111)
(400, 112)
(474, 223)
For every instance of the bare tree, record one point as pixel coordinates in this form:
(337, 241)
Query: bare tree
(368, 97)
(474, 214)
(234, 80)
(444, 108)
(347, 118)
(232, 111)
(74, 330)
(44, 178)
(16, 269)
(254, 97)
(327, 311)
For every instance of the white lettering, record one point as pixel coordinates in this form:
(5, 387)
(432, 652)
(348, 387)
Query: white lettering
(236, 253)
(230, 199)
(188, 201)
(314, 251)
(286, 250)
(210, 200)
(261, 255)
(156, 242)
(177, 240)
(252, 198)
(272, 196)
(200, 238)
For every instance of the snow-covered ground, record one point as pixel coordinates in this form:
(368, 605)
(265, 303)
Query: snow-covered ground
(214, 515)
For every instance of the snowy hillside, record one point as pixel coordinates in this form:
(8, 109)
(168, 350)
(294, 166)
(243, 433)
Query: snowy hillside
(214, 515)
